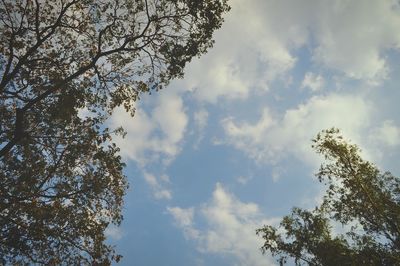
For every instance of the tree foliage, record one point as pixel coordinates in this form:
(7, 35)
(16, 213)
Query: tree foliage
(360, 197)
(61, 180)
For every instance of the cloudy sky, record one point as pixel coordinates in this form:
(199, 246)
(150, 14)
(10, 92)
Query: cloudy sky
(227, 149)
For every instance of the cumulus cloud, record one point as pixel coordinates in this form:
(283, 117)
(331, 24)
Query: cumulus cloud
(184, 217)
(184, 220)
(155, 134)
(388, 133)
(353, 36)
(158, 186)
(252, 50)
(259, 44)
(277, 173)
(243, 179)
(248, 53)
(230, 230)
(312, 81)
(271, 138)
(200, 119)
(260, 40)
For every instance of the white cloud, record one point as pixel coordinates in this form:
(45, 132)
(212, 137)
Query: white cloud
(352, 36)
(270, 138)
(158, 186)
(243, 179)
(200, 119)
(259, 41)
(184, 220)
(153, 135)
(230, 231)
(184, 217)
(248, 53)
(388, 133)
(277, 173)
(312, 81)
(252, 50)
(165, 178)
(172, 120)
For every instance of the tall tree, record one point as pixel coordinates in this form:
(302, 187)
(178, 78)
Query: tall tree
(61, 180)
(359, 196)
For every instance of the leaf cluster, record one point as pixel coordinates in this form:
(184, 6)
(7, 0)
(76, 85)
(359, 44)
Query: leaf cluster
(365, 201)
(61, 175)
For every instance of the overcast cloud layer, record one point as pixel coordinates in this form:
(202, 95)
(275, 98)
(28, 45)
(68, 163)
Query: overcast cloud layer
(214, 153)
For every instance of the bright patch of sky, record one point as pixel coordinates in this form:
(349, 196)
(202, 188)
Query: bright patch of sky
(228, 148)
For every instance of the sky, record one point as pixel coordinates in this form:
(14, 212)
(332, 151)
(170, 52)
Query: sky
(227, 149)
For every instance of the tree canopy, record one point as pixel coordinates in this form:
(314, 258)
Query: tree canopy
(61, 179)
(364, 200)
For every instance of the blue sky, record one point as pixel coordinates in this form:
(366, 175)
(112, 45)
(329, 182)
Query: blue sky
(227, 149)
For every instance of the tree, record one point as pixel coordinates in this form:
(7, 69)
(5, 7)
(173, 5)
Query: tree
(61, 179)
(360, 197)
